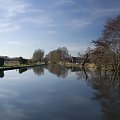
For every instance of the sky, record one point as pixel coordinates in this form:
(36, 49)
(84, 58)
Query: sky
(27, 25)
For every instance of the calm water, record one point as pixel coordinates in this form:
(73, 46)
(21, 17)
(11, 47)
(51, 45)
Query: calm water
(58, 93)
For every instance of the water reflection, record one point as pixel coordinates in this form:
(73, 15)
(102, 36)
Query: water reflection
(60, 71)
(1, 73)
(62, 99)
(74, 69)
(82, 74)
(107, 86)
(22, 70)
(38, 70)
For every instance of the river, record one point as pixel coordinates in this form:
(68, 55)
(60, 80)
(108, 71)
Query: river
(59, 93)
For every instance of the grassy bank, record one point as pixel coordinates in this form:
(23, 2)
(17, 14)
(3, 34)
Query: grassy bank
(18, 66)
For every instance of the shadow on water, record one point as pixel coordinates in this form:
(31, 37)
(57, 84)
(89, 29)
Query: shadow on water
(107, 86)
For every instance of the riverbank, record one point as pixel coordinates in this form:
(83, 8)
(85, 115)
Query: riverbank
(89, 66)
(19, 66)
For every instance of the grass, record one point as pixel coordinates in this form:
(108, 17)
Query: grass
(17, 66)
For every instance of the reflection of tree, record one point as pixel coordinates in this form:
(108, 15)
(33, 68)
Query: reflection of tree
(1, 73)
(108, 93)
(21, 70)
(82, 74)
(60, 71)
(75, 69)
(38, 70)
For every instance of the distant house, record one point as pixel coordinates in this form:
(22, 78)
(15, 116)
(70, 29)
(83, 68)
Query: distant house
(77, 60)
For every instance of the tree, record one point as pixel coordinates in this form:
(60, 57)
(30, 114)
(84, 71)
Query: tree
(64, 52)
(1, 62)
(22, 60)
(55, 56)
(85, 58)
(38, 55)
(107, 48)
(59, 54)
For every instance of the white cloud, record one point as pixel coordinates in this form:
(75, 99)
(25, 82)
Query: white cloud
(51, 32)
(8, 10)
(90, 15)
(15, 14)
(13, 7)
(9, 27)
(13, 42)
(106, 12)
(38, 17)
(79, 23)
(64, 2)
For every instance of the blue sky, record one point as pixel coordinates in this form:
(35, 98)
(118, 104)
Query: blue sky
(26, 25)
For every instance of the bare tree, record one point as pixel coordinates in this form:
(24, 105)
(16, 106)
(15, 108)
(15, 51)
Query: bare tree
(107, 48)
(85, 58)
(38, 55)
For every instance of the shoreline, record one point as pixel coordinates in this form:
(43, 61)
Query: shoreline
(18, 67)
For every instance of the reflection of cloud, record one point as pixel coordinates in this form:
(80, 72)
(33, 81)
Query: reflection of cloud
(6, 94)
(9, 112)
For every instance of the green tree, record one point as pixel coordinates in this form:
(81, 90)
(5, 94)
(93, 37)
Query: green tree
(38, 55)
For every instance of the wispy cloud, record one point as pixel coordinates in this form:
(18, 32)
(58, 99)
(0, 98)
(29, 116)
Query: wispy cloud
(106, 12)
(13, 42)
(64, 2)
(90, 16)
(9, 27)
(15, 14)
(8, 10)
(6, 94)
(13, 7)
(79, 23)
(9, 111)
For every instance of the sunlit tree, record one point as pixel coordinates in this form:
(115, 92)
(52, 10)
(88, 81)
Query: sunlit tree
(38, 55)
